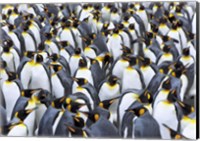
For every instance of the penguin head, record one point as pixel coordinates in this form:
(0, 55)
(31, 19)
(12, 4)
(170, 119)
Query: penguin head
(85, 6)
(29, 92)
(145, 61)
(133, 61)
(92, 115)
(163, 20)
(186, 108)
(107, 59)
(131, 26)
(113, 80)
(171, 18)
(64, 43)
(25, 27)
(81, 81)
(126, 50)
(22, 114)
(178, 9)
(41, 47)
(12, 76)
(48, 36)
(167, 84)
(106, 103)
(38, 58)
(59, 102)
(97, 6)
(56, 68)
(172, 96)
(114, 10)
(82, 63)
(78, 121)
(166, 48)
(137, 109)
(76, 23)
(146, 97)
(126, 18)
(29, 54)
(11, 27)
(109, 5)
(74, 130)
(54, 57)
(116, 30)
(174, 26)
(72, 104)
(186, 51)
(77, 51)
(142, 8)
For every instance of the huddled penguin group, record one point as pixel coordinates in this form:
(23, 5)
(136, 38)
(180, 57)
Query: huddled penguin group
(120, 70)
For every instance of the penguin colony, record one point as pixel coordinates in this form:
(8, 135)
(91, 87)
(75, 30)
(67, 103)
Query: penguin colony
(120, 70)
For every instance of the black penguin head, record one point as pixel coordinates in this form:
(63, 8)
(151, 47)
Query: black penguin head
(113, 80)
(172, 96)
(167, 84)
(76, 23)
(116, 30)
(82, 63)
(29, 54)
(137, 108)
(11, 27)
(4, 17)
(29, 92)
(126, 50)
(92, 115)
(81, 81)
(56, 68)
(9, 12)
(38, 58)
(114, 10)
(146, 97)
(171, 18)
(85, 6)
(54, 57)
(142, 7)
(174, 26)
(145, 61)
(131, 26)
(120, 26)
(67, 24)
(25, 27)
(177, 73)
(165, 38)
(149, 35)
(163, 20)
(74, 106)
(64, 43)
(97, 7)
(12, 76)
(166, 48)
(77, 51)
(78, 122)
(109, 5)
(186, 51)
(22, 114)
(178, 9)
(7, 44)
(59, 102)
(48, 36)
(132, 61)
(186, 108)
(106, 103)
(41, 46)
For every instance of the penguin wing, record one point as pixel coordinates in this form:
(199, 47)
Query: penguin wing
(19, 84)
(3, 119)
(21, 103)
(101, 44)
(66, 65)
(66, 82)
(93, 93)
(141, 77)
(96, 70)
(47, 121)
(48, 74)
(61, 129)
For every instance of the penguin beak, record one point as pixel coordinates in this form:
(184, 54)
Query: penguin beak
(75, 79)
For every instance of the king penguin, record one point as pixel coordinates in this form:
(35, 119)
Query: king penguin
(11, 90)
